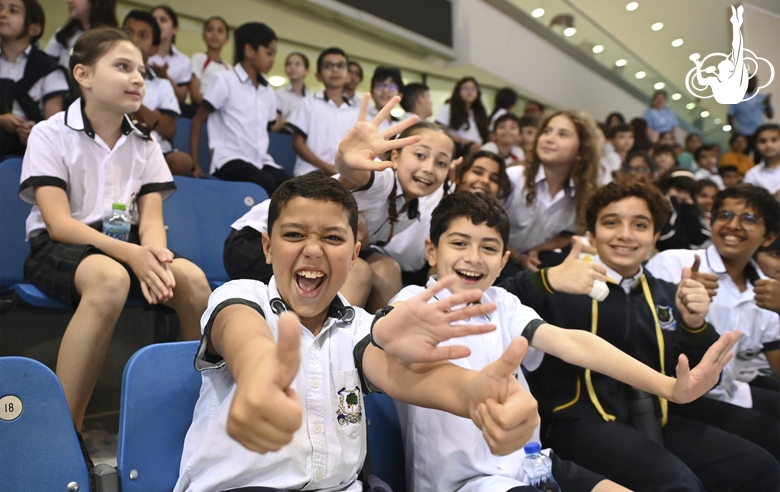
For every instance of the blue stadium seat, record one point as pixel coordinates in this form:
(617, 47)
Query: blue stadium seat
(198, 218)
(281, 149)
(181, 142)
(159, 389)
(385, 442)
(40, 449)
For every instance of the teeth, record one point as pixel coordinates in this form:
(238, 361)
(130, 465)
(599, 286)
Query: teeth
(310, 274)
(730, 238)
(424, 181)
(469, 274)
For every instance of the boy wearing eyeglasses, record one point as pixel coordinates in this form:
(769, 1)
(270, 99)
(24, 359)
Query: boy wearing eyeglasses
(385, 84)
(744, 219)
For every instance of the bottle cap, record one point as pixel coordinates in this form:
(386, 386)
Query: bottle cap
(532, 448)
(600, 291)
(118, 206)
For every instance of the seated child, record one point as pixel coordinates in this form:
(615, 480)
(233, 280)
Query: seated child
(528, 128)
(289, 97)
(703, 197)
(506, 133)
(32, 85)
(686, 158)
(639, 164)
(354, 78)
(285, 365)
(622, 139)
(416, 99)
(504, 102)
(738, 154)
(683, 229)
(321, 121)
(665, 159)
(160, 107)
(216, 34)
(767, 294)
(386, 83)
(729, 175)
(767, 172)
(241, 107)
(707, 162)
(445, 452)
(483, 172)
(170, 63)
(601, 423)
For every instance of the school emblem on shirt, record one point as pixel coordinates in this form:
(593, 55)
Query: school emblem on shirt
(350, 411)
(666, 317)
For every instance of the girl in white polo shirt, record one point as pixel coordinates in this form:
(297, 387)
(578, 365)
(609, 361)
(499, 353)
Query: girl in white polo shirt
(170, 63)
(465, 117)
(216, 34)
(78, 163)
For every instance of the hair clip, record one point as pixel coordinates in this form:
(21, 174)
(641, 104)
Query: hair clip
(70, 53)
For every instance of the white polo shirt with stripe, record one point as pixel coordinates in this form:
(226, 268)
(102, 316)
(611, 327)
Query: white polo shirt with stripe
(161, 97)
(53, 84)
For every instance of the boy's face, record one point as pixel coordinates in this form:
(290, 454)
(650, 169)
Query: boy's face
(667, 139)
(353, 78)
(735, 240)
(473, 252)
(693, 143)
(768, 143)
(295, 68)
(261, 59)
(312, 250)
(624, 235)
(527, 136)
(623, 141)
(383, 91)
(705, 198)
(507, 132)
(731, 179)
(12, 13)
(769, 262)
(664, 162)
(708, 159)
(141, 33)
(333, 74)
(424, 105)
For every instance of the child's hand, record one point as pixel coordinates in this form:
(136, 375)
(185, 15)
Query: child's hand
(767, 294)
(365, 141)
(693, 301)
(266, 412)
(530, 261)
(24, 131)
(150, 265)
(161, 70)
(197, 172)
(708, 280)
(413, 330)
(11, 123)
(692, 384)
(575, 276)
(500, 406)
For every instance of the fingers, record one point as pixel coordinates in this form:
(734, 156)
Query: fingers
(510, 360)
(686, 274)
(288, 348)
(363, 114)
(147, 295)
(457, 162)
(465, 312)
(399, 127)
(507, 427)
(576, 248)
(448, 352)
(434, 289)
(683, 367)
(397, 143)
(384, 113)
(457, 331)
(696, 263)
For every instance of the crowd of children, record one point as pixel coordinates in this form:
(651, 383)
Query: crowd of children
(455, 264)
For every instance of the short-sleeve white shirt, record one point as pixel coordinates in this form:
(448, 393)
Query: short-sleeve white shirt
(712, 176)
(730, 310)
(469, 130)
(204, 68)
(51, 85)
(160, 96)
(179, 65)
(287, 100)
(761, 175)
(447, 452)
(532, 225)
(64, 151)
(327, 451)
(238, 126)
(323, 125)
(62, 53)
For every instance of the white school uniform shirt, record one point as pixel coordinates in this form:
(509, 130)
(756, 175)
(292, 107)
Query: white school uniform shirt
(373, 111)
(179, 65)
(761, 175)
(515, 153)
(468, 130)
(204, 68)
(730, 310)
(532, 225)
(64, 151)
(160, 96)
(60, 52)
(712, 176)
(238, 123)
(256, 218)
(287, 100)
(322, 124)
(327, 451)
(53, 84)
(447, 452)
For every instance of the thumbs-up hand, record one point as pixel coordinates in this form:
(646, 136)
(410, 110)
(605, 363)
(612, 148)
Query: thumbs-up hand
(500, 406)
(708, 280)
(266, 412)
(767, 294)
(575, 276)
(693, 302)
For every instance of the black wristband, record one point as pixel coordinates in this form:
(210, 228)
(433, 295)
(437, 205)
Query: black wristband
(381, 313)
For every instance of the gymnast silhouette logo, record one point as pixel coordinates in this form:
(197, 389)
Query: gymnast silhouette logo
(729, 81)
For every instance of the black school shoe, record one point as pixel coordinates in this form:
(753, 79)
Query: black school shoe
(88, 461)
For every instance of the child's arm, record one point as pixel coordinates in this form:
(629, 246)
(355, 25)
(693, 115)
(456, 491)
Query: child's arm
(165, 124)
(303, 150)
(195, 94)
(52, 106)
(201, 115)
(151, 232)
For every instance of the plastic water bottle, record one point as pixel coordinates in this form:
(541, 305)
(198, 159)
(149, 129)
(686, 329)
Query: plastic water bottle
(117, 225)
(538, 468)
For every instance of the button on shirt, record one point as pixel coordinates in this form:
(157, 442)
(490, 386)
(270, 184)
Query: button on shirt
(730, 310)
(532, 225)
(238, 124)
(64, 151)
(52, 84)
(447, 452)
(327, 451)
(761, 175)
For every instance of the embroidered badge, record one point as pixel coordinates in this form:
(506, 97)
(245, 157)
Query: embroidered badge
(350, 410)
(666, 317)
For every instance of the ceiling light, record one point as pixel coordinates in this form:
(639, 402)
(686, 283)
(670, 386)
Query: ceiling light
(704, 114)
(677, 43)
(658, 86)
(690, 105)
(598, 48)
(632, 6)
(620, 63)
(537, 13)
(694, 56)
(676, 96)
(657, 26)
(569, 32)
(726, 128)
(640, 74)
(276, 81)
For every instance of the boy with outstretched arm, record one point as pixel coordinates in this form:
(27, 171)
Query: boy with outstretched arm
(284, 364)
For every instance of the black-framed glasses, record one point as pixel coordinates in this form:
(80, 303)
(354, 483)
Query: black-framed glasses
(334, 66)
(386, 87)
(748, 220)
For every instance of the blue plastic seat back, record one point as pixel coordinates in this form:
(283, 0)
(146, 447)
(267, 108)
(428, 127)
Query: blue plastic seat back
(281, 149)
(39, 449)
(198, 218)
(385, 441)
(181, 142)
(159, 389)
(13, 249)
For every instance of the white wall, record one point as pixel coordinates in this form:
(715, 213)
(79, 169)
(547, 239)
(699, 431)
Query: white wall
(761, 31)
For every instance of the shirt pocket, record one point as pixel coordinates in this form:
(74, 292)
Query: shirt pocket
(347, 400)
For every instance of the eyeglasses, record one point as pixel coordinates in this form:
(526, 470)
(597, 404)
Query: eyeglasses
(748, 220)
(639, 169)
(334, 66)
(468, 88)
(386, 87)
